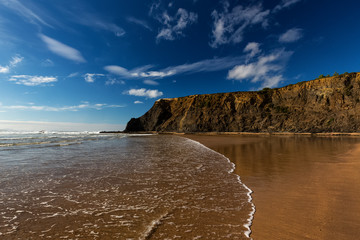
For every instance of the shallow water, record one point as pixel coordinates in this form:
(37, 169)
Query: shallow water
(95, 186)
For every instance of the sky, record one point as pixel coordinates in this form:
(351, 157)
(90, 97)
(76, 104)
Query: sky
(93, 65)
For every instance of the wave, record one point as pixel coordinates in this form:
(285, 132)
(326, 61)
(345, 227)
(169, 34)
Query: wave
(46, 133)
(250, 219)
(61, 143)
(153, 226)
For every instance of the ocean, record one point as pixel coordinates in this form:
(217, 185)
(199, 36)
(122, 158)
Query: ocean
(70, 185)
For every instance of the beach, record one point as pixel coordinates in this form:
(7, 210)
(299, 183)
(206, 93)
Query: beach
(303, 187)
(141, 186)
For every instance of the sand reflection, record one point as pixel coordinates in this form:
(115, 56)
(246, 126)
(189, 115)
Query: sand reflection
(304, 187)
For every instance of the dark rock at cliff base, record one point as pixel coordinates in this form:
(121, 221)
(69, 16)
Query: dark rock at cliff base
(329, 104)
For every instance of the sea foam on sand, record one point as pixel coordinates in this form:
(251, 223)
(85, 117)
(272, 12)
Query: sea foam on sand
(231, 171)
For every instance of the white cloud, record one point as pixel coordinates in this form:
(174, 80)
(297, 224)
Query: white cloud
(291, 35)
(71, 75)
(252, 49)
(29, 80)
(137, 72)
(75, 108)
(285, 4)
(138, 102)
(117, 70)
(24, 12)
(90, 77)
(5, 69)
(12, 63)
(150, 82)
(154, 74)
(229, 26)
(61, 49)
(207, 65)
(142, 92)
(173, 26)
(139, 22)
(267, 69)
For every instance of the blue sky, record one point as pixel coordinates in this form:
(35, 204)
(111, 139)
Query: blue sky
(99, 63)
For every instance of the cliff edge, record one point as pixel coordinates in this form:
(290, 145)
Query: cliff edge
(329, 104)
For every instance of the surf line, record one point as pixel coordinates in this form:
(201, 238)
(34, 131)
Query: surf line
(250, 219)
(152, 227)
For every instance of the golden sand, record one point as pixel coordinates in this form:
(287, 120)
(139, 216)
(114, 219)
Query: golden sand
(304, 187)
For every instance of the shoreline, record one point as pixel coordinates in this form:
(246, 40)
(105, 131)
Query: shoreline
(250, 218)
(299, 197)
(323, 134)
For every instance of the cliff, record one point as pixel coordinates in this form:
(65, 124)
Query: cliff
(323, 105)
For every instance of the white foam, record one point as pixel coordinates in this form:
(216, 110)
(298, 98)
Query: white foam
(140, 134)
(253, 209)
(153, 226)
(48, 133)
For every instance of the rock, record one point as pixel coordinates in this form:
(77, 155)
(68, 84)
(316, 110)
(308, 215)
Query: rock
(329, 104)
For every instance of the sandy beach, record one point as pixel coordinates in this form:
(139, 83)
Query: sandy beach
(304, 187)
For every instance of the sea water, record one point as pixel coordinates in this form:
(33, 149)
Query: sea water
(116, 186)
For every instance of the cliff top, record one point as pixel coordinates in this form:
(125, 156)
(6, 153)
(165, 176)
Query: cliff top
(324, 81)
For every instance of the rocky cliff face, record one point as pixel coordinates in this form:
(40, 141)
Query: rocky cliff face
(324, 105)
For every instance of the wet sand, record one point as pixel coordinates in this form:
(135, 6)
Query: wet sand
(304, 187)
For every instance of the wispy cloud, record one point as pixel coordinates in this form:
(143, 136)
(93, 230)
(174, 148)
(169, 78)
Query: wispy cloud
(118, 70)
(174, 26)
(139, 22)
(266, 69)
(62, 50)
(75, 108)
(207, 65)
(113, 81)
(12, 63)
(31, 81)
(150, 82)
(285, 4)
(74, 74)
(142, 92)
(103, 25)
(16, 60)
(24, 12)
(252, 49)
(137, 72)
(88, 17)
(155, 6)
(138, 102)
(90, 77)
(291, 35)
(229, 26)
(153, 74)
(47, 63)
